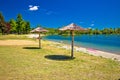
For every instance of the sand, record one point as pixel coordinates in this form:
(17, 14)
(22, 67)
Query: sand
(17, 42)
(91, 51)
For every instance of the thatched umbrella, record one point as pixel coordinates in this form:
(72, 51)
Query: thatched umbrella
(72, 27)
(39, 30)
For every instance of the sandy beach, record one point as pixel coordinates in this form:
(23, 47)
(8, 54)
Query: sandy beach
(90, 51)
(17, 42)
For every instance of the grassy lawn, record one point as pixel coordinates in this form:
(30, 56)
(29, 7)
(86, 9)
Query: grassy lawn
(26, 62)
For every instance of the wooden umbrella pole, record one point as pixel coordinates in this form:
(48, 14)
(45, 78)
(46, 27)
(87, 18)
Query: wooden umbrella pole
(39, 41)
(72, 44)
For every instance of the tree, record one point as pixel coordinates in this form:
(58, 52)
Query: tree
(105, 31)
(2, 23)
(23, 27)
(7, 27)
(117, 30)
(13, 26)
(27, 28)
(19, 26)
(4, 26)
(111, 30)
(19, 22)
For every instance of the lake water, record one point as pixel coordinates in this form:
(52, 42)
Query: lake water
(108, 43)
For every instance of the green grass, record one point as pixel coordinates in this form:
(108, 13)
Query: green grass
(21, 63)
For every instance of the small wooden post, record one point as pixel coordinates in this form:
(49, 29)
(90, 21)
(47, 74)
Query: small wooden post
(72, 44)
(39, 41)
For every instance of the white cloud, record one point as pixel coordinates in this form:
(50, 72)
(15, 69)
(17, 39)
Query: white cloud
(92, 24)
(33, 8)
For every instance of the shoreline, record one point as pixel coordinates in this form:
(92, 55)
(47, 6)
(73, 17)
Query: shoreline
(90, 51)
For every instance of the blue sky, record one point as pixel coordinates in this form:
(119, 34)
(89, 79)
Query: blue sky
(57, 13)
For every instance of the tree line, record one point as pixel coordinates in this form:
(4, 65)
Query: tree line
(18, 26)
(96, 31)
(102, 31)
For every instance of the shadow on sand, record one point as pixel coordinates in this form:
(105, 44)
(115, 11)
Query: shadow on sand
(31, 48)
(59, 57)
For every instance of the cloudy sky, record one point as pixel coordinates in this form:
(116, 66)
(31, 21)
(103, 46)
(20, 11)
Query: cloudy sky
(57, 13)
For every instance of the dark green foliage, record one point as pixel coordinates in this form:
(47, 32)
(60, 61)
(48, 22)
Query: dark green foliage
(13, 26)
(1, 17)
(19, 26)
(27, 28)
(111, 31)
(52, 31)
(19, 22)
(4, 26)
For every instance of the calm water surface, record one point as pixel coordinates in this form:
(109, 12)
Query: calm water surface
(108, 43)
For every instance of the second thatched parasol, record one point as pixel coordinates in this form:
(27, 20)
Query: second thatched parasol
(39, 30)
(72, 27)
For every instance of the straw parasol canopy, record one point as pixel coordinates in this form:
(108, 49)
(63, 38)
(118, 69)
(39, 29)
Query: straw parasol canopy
(72, 27)
(39, 30)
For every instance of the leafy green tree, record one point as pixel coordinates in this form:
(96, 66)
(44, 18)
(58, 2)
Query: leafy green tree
(52, 31)
(4, 26)
(19, 26)
(111, 30)
(2, 23)
(27, 28)
(23, 27)
(105, 31)
(89, 31)
(13, 26)
(117, 30)
(19, 22)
